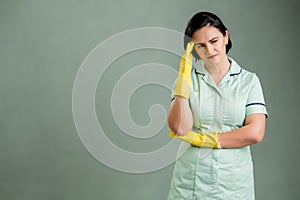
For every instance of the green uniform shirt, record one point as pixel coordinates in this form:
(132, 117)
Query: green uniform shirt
(202, 173)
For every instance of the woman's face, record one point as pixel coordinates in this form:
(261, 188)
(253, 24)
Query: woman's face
(210, 45)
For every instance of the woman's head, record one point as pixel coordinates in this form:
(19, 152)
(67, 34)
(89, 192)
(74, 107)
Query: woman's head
(201, 20)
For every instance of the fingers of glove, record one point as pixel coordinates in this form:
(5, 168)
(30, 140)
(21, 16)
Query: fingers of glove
(212, 140)
(189, 47)
(188, 51)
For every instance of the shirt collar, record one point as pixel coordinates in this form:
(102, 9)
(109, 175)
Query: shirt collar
(235, 69)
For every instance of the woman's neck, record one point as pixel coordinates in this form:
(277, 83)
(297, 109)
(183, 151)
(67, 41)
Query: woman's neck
(217, 72)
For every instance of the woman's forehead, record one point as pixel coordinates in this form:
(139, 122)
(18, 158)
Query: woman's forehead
(206, 33)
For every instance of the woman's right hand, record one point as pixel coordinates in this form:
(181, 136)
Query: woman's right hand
(183, 83)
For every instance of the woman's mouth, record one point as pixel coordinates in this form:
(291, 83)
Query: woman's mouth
(212, 56)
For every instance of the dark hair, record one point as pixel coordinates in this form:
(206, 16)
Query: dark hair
(199, 20)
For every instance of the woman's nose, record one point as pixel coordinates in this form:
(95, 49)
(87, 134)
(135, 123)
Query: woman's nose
(209, 49)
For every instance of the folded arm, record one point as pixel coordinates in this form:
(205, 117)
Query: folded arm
(252, 132)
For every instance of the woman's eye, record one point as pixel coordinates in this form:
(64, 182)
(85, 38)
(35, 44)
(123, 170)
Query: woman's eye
(214, 41)
(200, 45)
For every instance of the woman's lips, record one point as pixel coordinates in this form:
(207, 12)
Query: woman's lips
(212, 56)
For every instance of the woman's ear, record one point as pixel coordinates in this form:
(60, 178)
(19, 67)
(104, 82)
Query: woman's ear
(226, 37)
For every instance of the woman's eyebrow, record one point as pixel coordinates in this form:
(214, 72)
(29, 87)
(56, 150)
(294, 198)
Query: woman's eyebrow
(199, 43)
(214, 38)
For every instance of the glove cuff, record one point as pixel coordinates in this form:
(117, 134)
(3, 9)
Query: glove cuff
(182, 87)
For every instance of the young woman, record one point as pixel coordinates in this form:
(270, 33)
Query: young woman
(219, 108)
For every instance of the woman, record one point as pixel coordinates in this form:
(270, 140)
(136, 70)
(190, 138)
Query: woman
(219, 108)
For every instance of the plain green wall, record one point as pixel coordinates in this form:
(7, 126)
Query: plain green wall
(42, 45)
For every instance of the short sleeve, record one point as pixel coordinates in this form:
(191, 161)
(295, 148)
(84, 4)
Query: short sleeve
(255, 101)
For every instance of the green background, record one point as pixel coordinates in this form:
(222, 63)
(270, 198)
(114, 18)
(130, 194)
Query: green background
(43, 44)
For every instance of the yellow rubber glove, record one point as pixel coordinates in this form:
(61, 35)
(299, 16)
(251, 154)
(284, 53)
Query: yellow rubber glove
(183, 83)
(205, 140)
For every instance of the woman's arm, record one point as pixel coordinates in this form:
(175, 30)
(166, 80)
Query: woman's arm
(180, 117)
(253, 132)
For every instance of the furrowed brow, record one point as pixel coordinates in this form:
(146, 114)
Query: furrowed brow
(200, 43)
